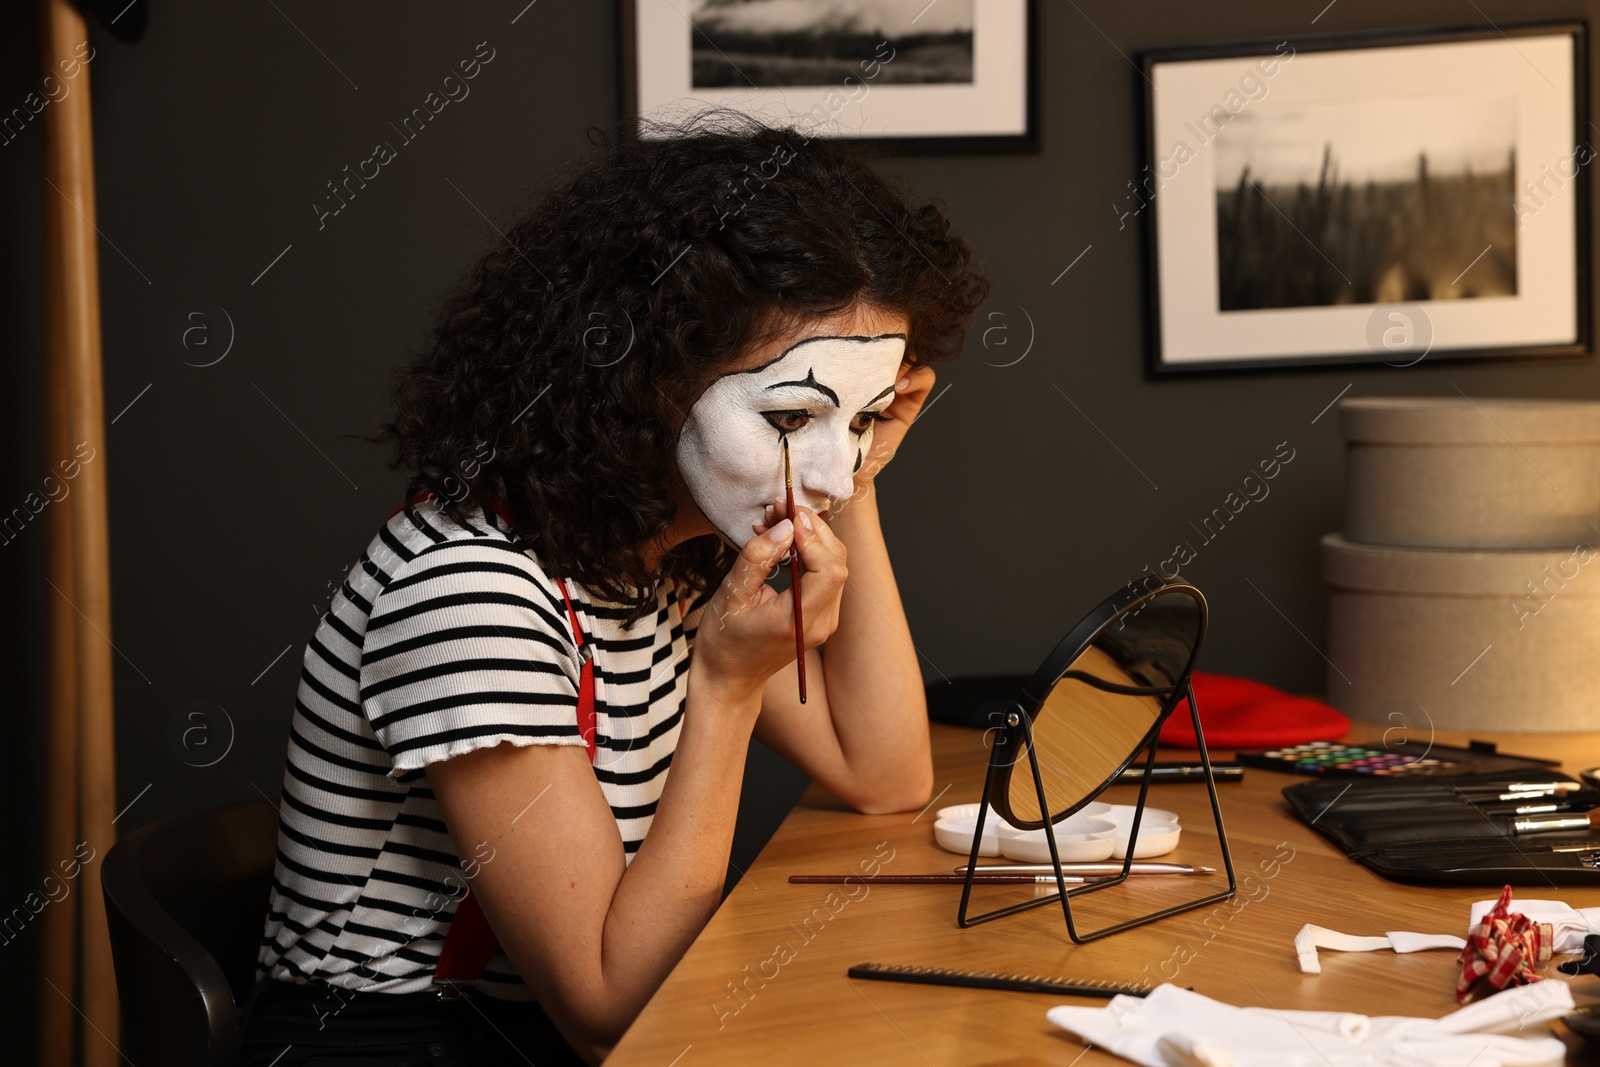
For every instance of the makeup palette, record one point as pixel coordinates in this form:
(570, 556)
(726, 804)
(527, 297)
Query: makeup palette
(1331, 757)
(1412, 759)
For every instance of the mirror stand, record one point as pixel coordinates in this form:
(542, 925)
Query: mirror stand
(1017, 718)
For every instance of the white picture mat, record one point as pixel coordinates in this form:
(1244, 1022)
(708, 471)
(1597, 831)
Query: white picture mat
(1535, 70)
(994, 104)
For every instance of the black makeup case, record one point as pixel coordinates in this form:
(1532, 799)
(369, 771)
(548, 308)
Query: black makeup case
(1427, 830)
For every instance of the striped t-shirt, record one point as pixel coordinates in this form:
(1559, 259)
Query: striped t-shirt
(443, 639)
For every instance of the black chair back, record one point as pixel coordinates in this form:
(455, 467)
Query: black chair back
(186, 900)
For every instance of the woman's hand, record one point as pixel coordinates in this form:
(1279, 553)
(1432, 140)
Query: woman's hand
(747, 632)
(886, 436)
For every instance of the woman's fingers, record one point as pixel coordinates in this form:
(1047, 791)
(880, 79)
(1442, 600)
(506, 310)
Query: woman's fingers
(919, 383)
(824, 572)
(747, 580)
(755, 632)
(816, 541)
(748, 642)
(768, 518)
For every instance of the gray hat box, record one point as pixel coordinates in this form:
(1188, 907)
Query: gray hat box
(1464, 591)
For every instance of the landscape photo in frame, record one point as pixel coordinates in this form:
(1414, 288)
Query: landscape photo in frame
(955, 76)
(1376, 198)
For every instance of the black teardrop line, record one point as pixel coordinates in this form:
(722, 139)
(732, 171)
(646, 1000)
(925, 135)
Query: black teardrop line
(858, 462)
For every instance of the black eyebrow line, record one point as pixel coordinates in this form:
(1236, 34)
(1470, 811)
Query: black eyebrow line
(811, 382)
(881, 395)
(859, 338)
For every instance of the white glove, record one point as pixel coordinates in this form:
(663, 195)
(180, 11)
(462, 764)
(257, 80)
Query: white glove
(1173, 1027)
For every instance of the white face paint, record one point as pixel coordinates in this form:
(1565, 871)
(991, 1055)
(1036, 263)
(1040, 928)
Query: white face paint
(823, 393)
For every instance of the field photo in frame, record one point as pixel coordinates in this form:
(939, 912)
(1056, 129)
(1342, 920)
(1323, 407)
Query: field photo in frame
(952, 76)
(1376, 198)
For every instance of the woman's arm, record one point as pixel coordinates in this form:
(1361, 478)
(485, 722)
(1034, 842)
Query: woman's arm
(592, 935)
(863, 733)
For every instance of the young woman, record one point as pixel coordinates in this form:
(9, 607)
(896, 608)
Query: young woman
(573, 599)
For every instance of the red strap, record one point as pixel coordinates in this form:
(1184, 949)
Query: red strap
(470, 941)
(585, 676)
(468, 944)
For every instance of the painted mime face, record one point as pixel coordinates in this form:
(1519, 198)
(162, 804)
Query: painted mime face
(824, 393)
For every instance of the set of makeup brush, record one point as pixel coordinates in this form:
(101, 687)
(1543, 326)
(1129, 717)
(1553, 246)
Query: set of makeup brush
(1538, 807)
(1531, 807)
(1517, 828)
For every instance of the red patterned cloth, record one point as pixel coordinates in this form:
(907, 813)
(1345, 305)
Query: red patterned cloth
(1502, 951)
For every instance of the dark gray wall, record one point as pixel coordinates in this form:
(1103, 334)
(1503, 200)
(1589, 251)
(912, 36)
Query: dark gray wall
(236, 497)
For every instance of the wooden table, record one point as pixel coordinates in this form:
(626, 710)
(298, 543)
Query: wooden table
(765, 982)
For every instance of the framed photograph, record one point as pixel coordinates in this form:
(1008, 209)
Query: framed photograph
(948, 76)
(1379, 198)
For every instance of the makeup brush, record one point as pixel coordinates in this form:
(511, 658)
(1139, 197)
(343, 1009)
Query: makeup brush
(1544, 824)
(1499, 790)
(1108, 869)
(794, 574)
(938, 879)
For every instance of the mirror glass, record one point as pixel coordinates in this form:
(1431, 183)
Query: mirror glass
(1096, 702)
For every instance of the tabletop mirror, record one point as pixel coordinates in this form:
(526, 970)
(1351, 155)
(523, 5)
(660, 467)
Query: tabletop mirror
(1094, 706)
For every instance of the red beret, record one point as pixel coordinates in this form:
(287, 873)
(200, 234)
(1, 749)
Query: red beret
(1240, 713)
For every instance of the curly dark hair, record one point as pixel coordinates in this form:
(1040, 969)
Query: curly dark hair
(558, 363)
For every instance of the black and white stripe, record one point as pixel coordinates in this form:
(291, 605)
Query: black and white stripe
(443, 639)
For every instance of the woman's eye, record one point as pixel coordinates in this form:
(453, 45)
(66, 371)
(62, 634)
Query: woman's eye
(863, 422)
(787, 421)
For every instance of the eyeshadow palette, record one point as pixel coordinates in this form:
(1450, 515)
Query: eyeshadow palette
(1408, 759)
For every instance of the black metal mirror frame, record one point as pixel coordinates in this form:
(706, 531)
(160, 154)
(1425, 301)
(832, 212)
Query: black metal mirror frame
(1014, 734)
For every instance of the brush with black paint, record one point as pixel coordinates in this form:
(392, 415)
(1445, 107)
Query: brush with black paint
(794, 575)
